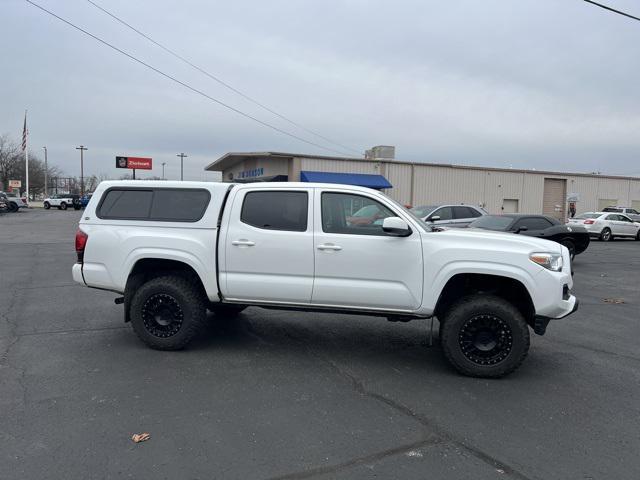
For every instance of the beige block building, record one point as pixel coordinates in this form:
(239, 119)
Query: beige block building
(498, 190)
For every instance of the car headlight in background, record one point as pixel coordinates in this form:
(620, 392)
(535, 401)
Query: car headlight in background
(550, 261)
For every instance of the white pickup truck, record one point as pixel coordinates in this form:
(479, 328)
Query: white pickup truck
(174, 250)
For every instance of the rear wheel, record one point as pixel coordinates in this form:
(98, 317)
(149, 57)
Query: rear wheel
(63, 206)
(168, 311)
(47, 205)
(605, 235)
(638, 235)
(484, 336)
(13, 207)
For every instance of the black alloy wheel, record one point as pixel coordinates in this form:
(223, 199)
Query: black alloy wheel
(485, 339)
(162, 315)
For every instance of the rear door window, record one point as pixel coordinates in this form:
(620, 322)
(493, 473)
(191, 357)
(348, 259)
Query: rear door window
(465, 212)
(276, 210)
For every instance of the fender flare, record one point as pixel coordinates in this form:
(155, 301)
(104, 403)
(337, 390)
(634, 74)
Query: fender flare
(451, 269)
(176, 255)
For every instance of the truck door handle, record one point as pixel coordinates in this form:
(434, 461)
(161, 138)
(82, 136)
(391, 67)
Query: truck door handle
(329, 246)
(243, 243)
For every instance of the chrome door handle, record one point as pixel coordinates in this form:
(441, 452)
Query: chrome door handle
(243, 243)
(329, 246)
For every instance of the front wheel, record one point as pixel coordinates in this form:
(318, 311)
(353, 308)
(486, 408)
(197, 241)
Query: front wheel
(168, 311)
(13, 207)
(63, 206)
(638, 235)
(47, 205)
(571, 247)
(484, 336)
(605, 235)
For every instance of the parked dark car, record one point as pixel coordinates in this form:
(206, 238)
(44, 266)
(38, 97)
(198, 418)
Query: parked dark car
(575, 238)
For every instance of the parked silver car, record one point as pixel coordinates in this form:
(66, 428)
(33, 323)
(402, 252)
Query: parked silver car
(632, 213)
(449, 215)
(606, 226)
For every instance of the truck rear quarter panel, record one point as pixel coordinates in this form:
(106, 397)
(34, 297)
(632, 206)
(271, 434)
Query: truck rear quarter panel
(114, 246)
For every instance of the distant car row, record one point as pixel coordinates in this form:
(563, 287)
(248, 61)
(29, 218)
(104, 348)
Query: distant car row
(62, 201)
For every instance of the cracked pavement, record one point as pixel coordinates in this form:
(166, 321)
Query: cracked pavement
(291, 395)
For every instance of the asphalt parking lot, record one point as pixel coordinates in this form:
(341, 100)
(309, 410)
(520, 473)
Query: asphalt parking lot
(298, 395)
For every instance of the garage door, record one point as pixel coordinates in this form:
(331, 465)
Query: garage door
(606, 202)
(555, 193)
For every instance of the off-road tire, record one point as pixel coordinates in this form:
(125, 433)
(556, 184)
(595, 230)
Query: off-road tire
(605, 235)
(480, 306)
(63, 206)
(187, 293)
(226, 310)
(47, 205)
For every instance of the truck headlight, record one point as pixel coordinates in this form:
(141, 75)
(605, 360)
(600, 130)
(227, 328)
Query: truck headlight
(550, 261)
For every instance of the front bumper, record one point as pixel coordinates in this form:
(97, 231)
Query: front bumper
(540, 322)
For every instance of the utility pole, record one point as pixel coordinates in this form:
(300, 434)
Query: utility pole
(182, 156)
(45, 172)
(163, 164)
(82, 148)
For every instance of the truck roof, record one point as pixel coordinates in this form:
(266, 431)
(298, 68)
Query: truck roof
(188, 184)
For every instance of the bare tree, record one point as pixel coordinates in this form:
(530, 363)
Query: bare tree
(12, 167)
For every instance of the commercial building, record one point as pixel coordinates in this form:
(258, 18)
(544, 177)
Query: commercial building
(496, 189)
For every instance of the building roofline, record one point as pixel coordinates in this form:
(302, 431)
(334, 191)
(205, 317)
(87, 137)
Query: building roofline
(232, 157)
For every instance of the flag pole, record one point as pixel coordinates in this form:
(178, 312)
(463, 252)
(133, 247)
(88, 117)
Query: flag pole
(26, 155)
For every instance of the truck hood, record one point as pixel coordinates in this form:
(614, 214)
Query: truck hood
(494, 239)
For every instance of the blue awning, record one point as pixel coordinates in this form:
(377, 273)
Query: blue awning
(360, 179)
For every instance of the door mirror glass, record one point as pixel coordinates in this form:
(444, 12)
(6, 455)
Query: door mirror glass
(396, 226)
(435, 218)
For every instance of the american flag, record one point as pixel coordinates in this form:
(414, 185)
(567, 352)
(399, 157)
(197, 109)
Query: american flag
(25, 133)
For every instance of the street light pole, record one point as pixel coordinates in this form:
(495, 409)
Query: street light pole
(46, 172)
(82, 148)
(182, 156)
(163, 164)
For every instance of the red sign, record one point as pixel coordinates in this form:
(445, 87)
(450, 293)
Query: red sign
(141, 163)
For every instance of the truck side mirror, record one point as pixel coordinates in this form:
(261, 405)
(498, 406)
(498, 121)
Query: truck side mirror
(435, 218)
(396, 226)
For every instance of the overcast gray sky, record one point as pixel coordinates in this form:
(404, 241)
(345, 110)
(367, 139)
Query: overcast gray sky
(546, 84)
